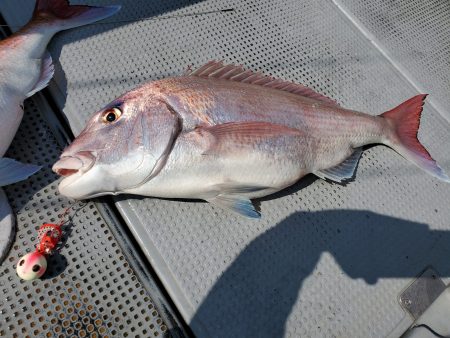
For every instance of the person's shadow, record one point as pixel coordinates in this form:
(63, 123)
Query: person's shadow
(255, 295)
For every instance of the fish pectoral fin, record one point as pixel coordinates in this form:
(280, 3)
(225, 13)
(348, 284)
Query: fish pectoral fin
(47, 71)
(343, 171)
(12, 171)
(238, 204)
(229, 135)
(232, 188)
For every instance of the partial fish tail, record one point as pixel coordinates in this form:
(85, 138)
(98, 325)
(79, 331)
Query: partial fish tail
(60, 15)
(404, 122)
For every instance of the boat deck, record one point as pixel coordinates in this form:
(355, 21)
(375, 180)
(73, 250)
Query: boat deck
(325, 260)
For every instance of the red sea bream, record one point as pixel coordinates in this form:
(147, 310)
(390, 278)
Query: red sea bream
(227, 135)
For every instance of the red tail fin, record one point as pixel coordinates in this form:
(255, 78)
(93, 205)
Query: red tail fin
(405, 120)
(68, 16)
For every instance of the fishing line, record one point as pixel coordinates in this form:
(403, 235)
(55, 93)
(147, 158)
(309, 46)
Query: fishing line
(56, 230)
(166, 17)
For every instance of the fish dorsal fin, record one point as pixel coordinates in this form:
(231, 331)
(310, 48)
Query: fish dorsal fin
(343, 171)
(217, 70)
(47, 70)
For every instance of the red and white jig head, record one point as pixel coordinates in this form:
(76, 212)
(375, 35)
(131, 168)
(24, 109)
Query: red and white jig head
(33, 265)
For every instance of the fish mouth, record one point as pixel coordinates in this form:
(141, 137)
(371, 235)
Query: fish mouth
(70, 165)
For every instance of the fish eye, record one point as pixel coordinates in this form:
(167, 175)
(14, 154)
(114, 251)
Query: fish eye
(35, 268)
(111, 115)
(21, 262)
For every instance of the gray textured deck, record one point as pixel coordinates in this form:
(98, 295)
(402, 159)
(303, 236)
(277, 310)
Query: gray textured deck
(324, 260)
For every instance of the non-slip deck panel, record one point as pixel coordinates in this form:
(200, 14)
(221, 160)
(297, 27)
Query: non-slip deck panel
(415, 35)
(89, 289)
(325, 260)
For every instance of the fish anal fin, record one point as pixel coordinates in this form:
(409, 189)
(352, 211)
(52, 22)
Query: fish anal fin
(240, 205)
(343, 171)
(218, 70)
(47, 71)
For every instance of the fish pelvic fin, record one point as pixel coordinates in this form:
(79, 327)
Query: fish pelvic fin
(404, 121)
(241, 205)
(343, 171)
(66, 16)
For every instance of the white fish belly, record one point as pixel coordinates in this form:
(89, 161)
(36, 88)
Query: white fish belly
(193, 172)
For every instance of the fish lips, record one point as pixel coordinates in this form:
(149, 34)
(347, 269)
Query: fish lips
(82, 178)
(70, 165)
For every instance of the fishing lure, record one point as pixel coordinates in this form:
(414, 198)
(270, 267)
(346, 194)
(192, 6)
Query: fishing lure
(33, 265)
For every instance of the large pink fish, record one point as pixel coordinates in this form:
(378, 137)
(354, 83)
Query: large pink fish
(226, 135)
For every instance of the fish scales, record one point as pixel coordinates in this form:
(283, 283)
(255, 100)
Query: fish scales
(233, 102)
(226, 135)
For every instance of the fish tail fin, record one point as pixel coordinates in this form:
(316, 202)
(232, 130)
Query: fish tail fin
(404, 121)
(66, 16)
